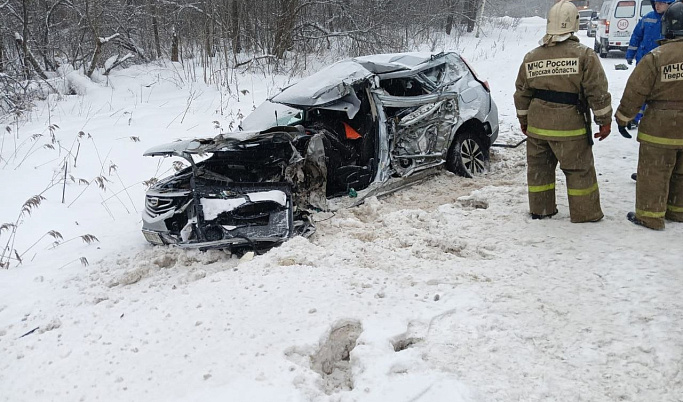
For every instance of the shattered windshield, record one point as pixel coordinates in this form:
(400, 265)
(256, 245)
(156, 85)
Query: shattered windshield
(270, 114)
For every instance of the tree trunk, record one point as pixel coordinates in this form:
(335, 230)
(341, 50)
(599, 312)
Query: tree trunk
(92, 14)
(235, 25)
(95, 57)
(209, 28)
(2, 57)
(284, 26)
(449, 24)
(155, 30)
(174, 46)
(208, 43)
(24, 39)
(450, 16)
(471, 14)
(29, 59)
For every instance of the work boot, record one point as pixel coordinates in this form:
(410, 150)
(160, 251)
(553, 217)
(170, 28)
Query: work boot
(634, 176)
(631, 216)
(539, 216)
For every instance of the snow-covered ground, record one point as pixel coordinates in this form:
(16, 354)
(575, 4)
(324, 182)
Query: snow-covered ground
(447, 291)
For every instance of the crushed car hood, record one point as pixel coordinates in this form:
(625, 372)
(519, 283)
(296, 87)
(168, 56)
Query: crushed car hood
(210, 145)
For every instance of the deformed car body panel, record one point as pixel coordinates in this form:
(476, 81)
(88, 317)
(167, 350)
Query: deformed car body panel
(327, 86)
(419, 137)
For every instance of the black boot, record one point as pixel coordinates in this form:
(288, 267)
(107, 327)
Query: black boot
(634, 176)
(539, 216)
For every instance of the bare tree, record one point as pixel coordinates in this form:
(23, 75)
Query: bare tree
(36, 36)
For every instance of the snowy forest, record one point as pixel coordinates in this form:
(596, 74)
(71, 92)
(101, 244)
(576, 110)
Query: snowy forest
(39, 36)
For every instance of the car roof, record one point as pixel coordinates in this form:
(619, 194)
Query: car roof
(334, 82)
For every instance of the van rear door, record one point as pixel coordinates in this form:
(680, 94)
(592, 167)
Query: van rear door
(622, 21)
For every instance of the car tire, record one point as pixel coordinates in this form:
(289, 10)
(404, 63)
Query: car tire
(603, 52)
(468, 155)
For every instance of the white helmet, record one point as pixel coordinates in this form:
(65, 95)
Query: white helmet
(563, 18)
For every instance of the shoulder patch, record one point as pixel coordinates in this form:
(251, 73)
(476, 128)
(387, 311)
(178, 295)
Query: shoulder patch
(672, 72)
(543, 68)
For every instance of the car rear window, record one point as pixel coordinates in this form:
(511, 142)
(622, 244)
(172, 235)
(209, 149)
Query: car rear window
(645, 7)
(625, 9)
(455, 69)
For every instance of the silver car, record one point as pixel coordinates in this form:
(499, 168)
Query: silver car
(592, 25)
(361, 127)
(585, 17)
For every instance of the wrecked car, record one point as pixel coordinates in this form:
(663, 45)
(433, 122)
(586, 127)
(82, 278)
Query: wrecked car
(361, 127)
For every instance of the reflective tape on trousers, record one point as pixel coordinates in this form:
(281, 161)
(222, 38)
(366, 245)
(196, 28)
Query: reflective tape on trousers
(540, 189)
(556, 133)
(674, 208)
(648, 214)
(582, 191)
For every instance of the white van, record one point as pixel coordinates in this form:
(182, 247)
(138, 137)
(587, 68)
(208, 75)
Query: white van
(618, 18)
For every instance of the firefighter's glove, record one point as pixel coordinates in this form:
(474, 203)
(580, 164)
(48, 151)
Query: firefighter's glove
(523, 126)
(604, 132)
(629, 61)
(624, 132)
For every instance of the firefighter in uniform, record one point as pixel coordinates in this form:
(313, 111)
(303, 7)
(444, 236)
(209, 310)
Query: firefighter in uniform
(556, 84)
(658, 80)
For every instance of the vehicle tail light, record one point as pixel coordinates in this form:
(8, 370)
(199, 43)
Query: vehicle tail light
(484, 83)
(606, 26)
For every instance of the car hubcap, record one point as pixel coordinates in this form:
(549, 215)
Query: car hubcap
(472, 156)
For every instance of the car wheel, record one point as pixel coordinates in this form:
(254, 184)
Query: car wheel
(603, 51)
(468, 156)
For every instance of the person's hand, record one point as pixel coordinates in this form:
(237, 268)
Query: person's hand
(629, 61)
(604, 132)
(624, 133)
(523, 127)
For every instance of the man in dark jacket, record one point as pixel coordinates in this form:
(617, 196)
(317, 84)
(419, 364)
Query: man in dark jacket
(658, 80)
(552, 80)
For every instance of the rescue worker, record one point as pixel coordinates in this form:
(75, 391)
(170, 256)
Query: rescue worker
(658, 80)
(644, 38)
(552, 80)
(647, 32)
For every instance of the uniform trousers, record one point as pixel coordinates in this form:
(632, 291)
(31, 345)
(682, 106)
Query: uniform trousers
(659, 189)
(576, 161)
